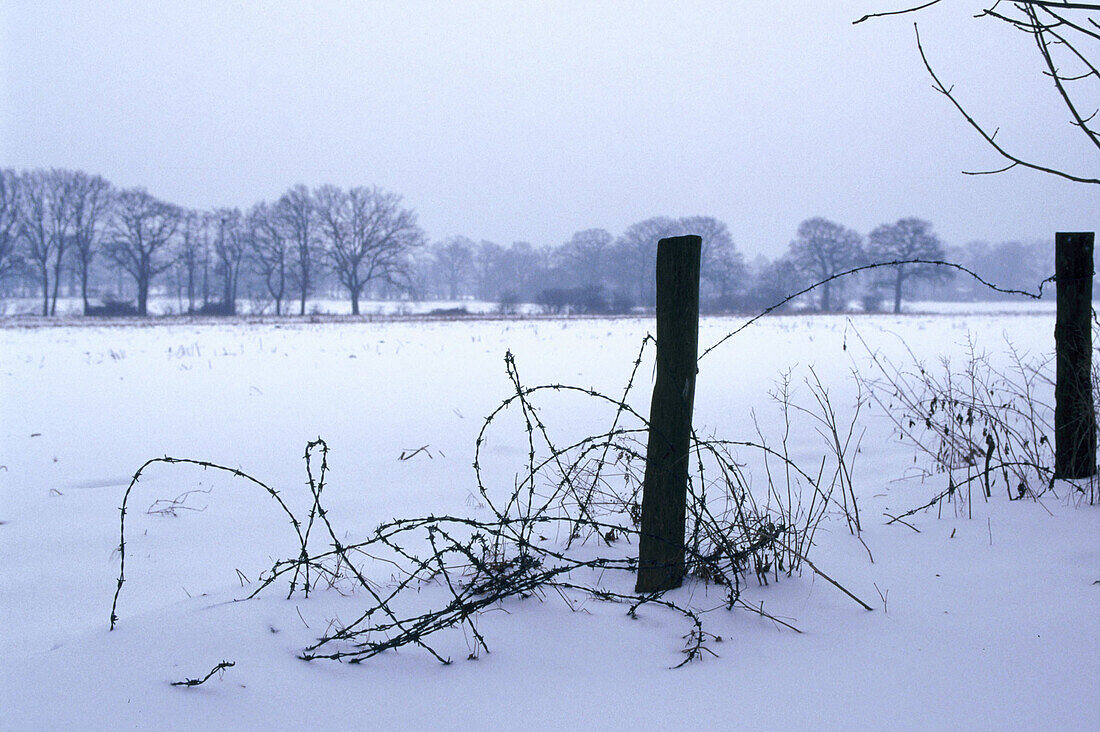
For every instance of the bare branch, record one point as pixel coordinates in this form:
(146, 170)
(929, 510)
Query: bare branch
(896, 12)
(1053, 4)
(1070, 24)
(939, 86)
(1044, 50)
(1008, 167)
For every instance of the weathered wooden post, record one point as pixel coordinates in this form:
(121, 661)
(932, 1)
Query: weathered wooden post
(1074, 415)
(664, 490)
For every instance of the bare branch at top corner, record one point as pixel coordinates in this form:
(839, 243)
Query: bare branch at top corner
(886, 13)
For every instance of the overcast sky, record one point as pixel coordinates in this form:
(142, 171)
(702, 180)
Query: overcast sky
(531, 120)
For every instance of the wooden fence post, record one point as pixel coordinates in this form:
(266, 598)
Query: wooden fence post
(1074, 415)
(664, 490)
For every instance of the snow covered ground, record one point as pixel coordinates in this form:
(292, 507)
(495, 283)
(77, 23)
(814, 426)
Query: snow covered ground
(986, 622)
(1020, 306)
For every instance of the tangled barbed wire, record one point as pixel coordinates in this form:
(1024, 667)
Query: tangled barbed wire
(587, 491)
(564, 526)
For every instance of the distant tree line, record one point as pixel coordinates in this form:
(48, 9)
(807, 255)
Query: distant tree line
(68, 231)
(63, 225)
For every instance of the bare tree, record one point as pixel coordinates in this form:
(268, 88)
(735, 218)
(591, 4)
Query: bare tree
(454, 261)
(587, 256)
(141, 232)
(426, 278)
(773, 282)
(1065, 36)
(192, 254)
(91, 199)
(368, 236)
(272, 253)
(1011, 264)
(230, 246)
(722, 265)
(34, 228)
(297, 214)
(824, 248)
(62, 215)
(487, 265)
(909, 238)
(637, 250)
(11, 201)
(523, 270)
(46, 227)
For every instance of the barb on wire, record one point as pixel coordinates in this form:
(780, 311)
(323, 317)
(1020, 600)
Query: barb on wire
(199, 682)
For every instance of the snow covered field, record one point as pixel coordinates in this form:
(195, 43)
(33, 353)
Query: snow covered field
(72, 307)
(986, 622)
